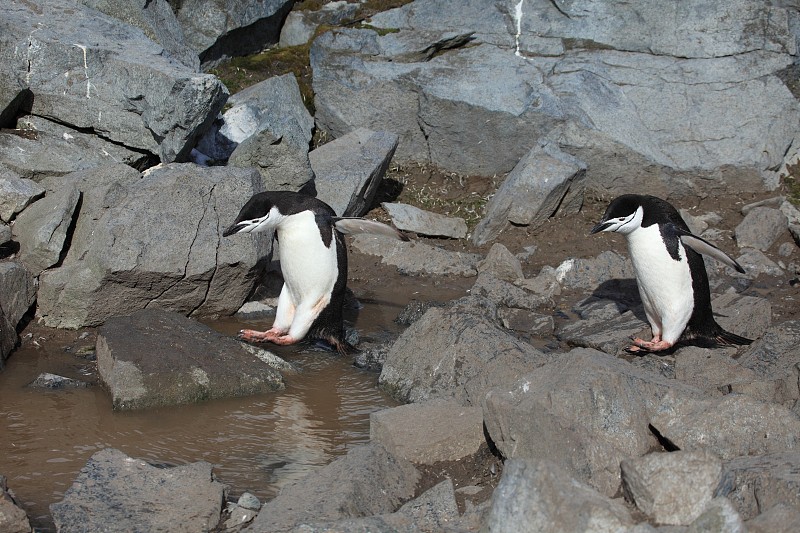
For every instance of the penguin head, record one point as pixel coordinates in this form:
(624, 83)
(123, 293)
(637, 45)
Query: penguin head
(258, 214)
(623, 215)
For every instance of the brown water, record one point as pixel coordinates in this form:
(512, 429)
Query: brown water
(256, 444)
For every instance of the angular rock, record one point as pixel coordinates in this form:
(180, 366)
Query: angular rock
(671, 488)
(526, 321)
(755, 262)
(730, 426)
(274, 105)
(114, 492)
(754, 484)
(607, 334)
(459, 352)
(155, 358)
(760, 228)
(12, 517)
(43, 228)
(775, 355)
(501, 264)
(157, 20)
(719, 516)
(503, 293)
(5, 234)
(749, 316)
(43, 148)
(299, 26)
(15, 195)
(417, 258)
(367, 481)
(349, 169)
(8, 338)
(428, 432)
(154, 240)
(777, 519)
(589, 273)
(716, 372)
(218, 29)
(93, 72)
(537, 495)
(409, 218)
(17, 290)
(586, 411)
(544, 181)
(282, 166)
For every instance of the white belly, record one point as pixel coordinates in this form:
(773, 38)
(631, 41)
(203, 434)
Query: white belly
(309, 267)
(665, 285)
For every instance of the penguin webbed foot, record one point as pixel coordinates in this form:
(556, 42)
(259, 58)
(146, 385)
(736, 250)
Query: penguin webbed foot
(641, 346)
(251, 335)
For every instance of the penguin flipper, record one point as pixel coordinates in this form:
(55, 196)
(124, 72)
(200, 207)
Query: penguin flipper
(349, 226)
(702, 246)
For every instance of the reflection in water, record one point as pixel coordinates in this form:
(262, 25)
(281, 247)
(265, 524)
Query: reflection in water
(257, 444)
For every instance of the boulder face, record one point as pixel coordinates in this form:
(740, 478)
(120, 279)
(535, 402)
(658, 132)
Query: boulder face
(154, 240)
(93, 72)
(652, 103)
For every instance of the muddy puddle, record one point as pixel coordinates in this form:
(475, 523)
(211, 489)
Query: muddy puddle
(256, 444)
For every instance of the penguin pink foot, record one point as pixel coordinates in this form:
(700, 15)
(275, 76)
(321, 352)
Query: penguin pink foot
(655, 345)
(251, 335)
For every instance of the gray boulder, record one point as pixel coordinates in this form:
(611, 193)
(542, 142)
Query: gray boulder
(730, 426)
(586, 411)
(777, 519)
(546, 180)
(12, 517)
(218, 29)
(754, 484)
(16, 194)
(671, 488)
(274, 105)
(501, 264)
(367, 481)
(719, 515)
(42, 148)
(17, 290)
(505, 294)
(5, 234)
(409, 218)
(8, 338)
(350, 169)
(299, 26)
(458, 352)
(42, 229)
(283, 167)
(479, 109)
(154, 358)
(417, 258)
(428, 432)
(434, 510)
(157, 20)
(537, 495)
(760, 228)
(93, 72)
(582, 273)
(154, 240)
(114, 492)
(775, 356)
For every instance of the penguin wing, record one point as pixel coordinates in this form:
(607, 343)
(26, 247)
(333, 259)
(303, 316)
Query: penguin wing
(702, 246)
(349, 226)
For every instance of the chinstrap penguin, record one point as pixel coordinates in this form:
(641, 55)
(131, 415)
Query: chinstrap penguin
(670, 272)
(313, 260)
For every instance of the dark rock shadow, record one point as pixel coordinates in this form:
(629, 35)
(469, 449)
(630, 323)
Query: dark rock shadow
(624, 293)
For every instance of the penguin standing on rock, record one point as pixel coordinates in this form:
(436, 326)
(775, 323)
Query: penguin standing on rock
(670, 272)
(313, 260)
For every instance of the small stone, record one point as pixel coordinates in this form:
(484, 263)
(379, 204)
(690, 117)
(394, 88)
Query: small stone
(501, 264)
(409, 218)
(46, 380)
(249, 501)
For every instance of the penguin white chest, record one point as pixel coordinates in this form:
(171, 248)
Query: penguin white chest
(309, 267)
(665, 284)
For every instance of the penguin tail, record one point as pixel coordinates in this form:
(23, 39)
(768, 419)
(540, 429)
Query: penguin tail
(727, 338)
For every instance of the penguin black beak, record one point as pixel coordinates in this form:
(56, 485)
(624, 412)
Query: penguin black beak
(599, 227)
(230, 231)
